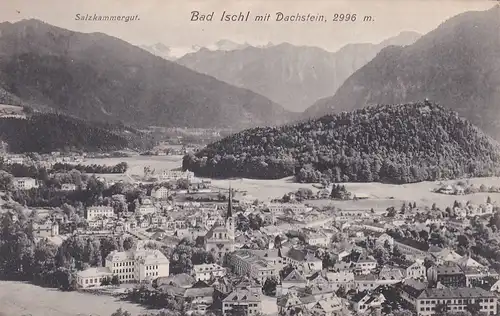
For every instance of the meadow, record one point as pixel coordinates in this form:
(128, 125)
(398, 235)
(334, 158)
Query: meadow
(380, 195)
(18, 299)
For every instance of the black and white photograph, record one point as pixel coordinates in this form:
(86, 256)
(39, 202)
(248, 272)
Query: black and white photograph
(249, 158)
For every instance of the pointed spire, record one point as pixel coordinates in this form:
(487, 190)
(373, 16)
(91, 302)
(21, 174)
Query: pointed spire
(229, 213)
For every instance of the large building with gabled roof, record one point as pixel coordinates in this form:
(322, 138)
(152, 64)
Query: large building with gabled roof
(219, 240)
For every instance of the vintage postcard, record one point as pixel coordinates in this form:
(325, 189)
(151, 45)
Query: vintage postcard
(249, 158)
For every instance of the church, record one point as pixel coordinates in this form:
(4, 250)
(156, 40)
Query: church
(219, 240)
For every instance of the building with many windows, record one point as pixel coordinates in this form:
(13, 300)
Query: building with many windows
(160, 193)
(203, 272)
(129, 266)
(25, 183)
(95, 212)
(455, 300)
(244, 262)
(245, 299)
(138, 265)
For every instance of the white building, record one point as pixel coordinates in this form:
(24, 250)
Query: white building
(25, 183)
(365, 264)
(170, 175)
(416, 270)
(15, 160)
(317, 239)
(245, 263)
(343, 279)
(248, 299)
(160, 193)
(92, 277)
(68, 187)
(95, 212)
(456, 300)
(146, 209)
(280, 207)
(203, 272)
(138, 265)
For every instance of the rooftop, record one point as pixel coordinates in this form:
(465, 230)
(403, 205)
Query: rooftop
(94, 272)
(243, 295)
(467, 292)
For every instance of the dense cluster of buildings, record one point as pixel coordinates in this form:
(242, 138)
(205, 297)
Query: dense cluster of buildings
(326, 261)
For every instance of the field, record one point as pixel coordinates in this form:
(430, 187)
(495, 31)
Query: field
(136, 164)
(380, 195)
(17, 299)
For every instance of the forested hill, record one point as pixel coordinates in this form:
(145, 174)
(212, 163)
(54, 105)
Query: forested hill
(46, 132)
(388, 143)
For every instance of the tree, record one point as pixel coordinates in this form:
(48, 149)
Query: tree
(255, 222)
(396, 252)
(6, 181)
(121, 312)
(269, 287)
(115, 280)
(474, 308)
(183, 184)
(128, 243)
(237, 310)
(441, 308)
(286, 271)
(391, 211)
(341, 292)
(106, 281)
(382, 255)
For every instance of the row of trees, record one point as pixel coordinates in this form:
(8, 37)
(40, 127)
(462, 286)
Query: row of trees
(94, 168)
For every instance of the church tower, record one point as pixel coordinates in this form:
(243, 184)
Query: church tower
(229, 214)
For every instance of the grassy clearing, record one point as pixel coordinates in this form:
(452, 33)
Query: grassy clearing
(18, 299)
(381, 195)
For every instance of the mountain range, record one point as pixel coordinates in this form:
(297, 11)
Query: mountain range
(293, 76)
(456, 65)
(173, 53)
(98, 77)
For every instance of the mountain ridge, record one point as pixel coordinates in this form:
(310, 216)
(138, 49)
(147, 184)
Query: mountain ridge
(456, 65)
(290, 75)
(99, 77)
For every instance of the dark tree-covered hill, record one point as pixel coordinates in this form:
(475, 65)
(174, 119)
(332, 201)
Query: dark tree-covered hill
(388, 143)
(52, 132)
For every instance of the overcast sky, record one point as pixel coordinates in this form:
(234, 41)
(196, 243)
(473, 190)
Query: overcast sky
(168, 21)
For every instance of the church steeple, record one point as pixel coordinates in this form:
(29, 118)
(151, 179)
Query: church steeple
(229, 213)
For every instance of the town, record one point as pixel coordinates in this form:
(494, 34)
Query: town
(168, 240)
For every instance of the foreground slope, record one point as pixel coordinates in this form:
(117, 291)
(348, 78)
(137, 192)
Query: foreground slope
(99, 77)
(387, 143)
(457, 65)
(293, 76)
